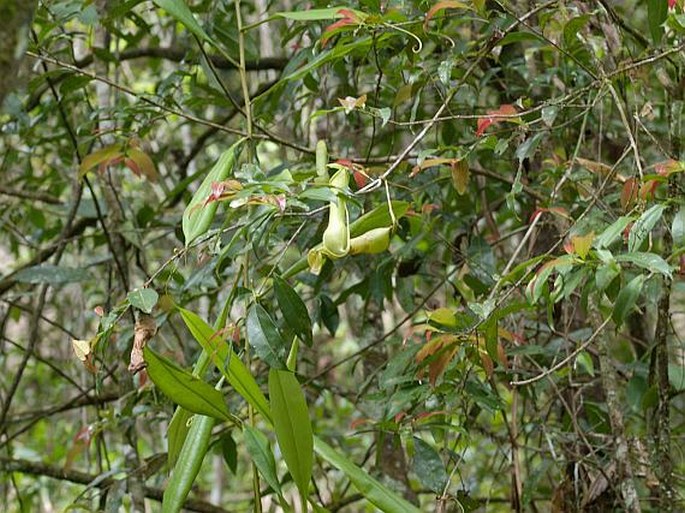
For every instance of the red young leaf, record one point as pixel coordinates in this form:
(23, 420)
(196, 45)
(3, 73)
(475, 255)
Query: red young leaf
(360, 179)
(441, 6)
(494, 116)
(629, 193)
(671, 4)
(648, 189)
(348, 18)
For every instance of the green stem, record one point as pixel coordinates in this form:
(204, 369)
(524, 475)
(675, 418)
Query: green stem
(241, 69)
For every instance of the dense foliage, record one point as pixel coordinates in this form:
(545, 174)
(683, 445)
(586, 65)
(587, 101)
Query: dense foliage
(289, 256)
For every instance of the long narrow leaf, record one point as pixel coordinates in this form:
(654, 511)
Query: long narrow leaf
(294, 310)
(262, 456)
(188, 465)
(378, 494)
(185, 389)
(292, 425)
(228, 363)
(383, 498)
(199, 214)
(264, 337)
(179, 10)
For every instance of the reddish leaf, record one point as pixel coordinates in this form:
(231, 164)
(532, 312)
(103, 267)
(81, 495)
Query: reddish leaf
(672, 4)
(360, 179)
(495, 116)
(629, 193)
(349, 18)
(223, 190)
(668, 167)
(102, 157)
(648, 189)
(441, 6)
(442, 349)
(142, 162)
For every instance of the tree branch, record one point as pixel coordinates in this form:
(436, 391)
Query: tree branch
(83, 478)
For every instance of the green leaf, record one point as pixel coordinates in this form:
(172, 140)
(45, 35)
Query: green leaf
(330, 13)
(643, 226)
(176, 434)
(294, 310)
(229, 451)
(264, 337)
(527, 149)
(179, 10)
(198, 216)
(657, 12)
(612, 232)
(292, 425)
(336, 53)
(328, 313)
(626, 299)
(188, 464)
(143, 299)
(605, 274)
(649, 261)
(101, 156)
(429, 467)
(258, 447)
(51, 274)
(185, 389)
(228, 363)
(375, 492)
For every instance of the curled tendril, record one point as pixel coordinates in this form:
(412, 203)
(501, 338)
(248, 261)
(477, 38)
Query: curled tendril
(444, 36)
(419, 44)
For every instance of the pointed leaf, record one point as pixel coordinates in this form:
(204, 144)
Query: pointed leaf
(330, 13)
(52, 274)
(643, 226)
(375, 492)
(176, 434)
(179, 10)
(429, 467)
(626, 299)
(99, 157)
(384, 498)
(228, 363)
(649, 261)
(143, 299)
(143, 163)
(229, 451)
(294, 310)
(198, 215)
(258, 447)
(264, 337)
(612, 232)
(292, 425)
(185, 389)
(441, 6)
(657, 12)
(188, 464)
